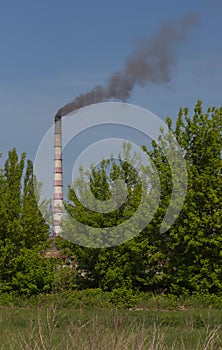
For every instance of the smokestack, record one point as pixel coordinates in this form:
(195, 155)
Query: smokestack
(58, 187)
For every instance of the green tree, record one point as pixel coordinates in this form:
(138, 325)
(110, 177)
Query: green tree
(89, 202)
(21, 223)
(120, 265)
(32, 273)
(185, 258)
(194, 248)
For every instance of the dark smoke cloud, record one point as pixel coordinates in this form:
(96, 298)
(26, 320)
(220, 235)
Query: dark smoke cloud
(151, 62)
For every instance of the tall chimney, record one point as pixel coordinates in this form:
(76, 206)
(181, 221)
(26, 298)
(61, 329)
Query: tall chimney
(58, 188)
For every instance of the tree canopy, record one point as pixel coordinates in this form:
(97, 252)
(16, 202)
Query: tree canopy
(23, 231)
(188, 256)
(183, 258)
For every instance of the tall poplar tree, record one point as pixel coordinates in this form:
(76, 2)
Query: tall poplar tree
(22, 226)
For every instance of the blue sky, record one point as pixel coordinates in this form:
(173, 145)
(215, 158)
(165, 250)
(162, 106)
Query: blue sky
(51, 51)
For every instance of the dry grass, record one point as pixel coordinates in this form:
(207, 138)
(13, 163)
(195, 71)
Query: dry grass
(55, 328)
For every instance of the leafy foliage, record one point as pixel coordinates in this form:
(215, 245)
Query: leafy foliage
(187, 257)
(23, 232)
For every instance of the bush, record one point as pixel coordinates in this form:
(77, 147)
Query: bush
(123, 297)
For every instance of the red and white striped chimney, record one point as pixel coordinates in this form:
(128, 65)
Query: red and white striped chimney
(58, 188)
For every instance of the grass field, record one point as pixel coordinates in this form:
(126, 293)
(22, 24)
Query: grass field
(86, 328)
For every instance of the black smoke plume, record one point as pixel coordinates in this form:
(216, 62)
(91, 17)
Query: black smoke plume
(151, 62)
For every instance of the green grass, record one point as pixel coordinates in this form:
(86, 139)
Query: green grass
(54, 326)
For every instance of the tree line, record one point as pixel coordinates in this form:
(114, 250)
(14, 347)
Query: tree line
(185, 259)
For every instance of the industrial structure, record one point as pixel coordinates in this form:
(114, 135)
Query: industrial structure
(58, 178)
